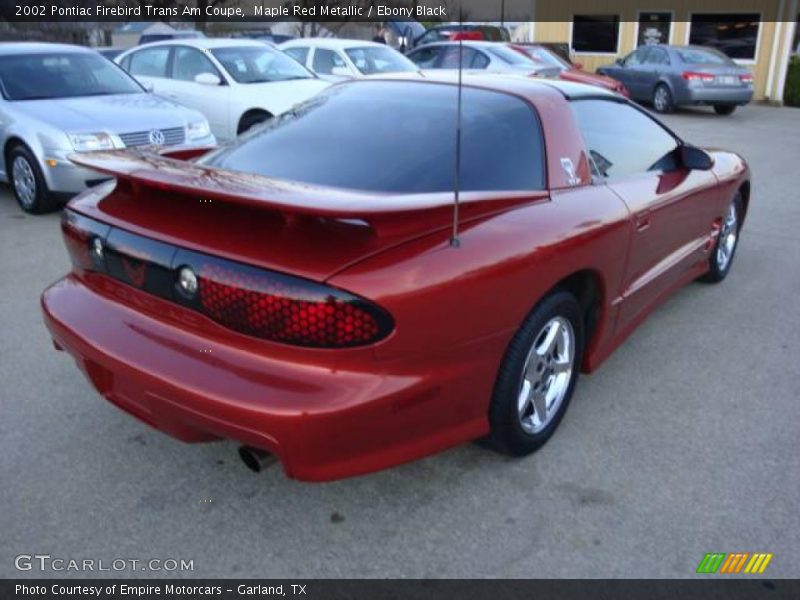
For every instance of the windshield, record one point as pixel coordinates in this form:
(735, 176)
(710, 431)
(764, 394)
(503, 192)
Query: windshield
(700, 56)
(379, 59)
(258, 64)
(509, 55)
(544, 55)
(66, 75)
(342, 138)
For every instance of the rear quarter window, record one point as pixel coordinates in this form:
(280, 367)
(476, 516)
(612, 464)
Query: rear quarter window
(342, 138)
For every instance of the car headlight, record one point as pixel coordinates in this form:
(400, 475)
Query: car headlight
(197, 130)
(86, 142)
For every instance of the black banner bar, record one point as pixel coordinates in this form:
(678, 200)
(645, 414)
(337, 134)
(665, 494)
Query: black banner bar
(229, 589)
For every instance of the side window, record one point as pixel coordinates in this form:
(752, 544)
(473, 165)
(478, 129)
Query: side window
(425, 58)
(325, 60)
(637, 57)
(657, 56)
(299, 53)
(188, 63)
(151, 62)
(468, 60)
(479, 61)
(622, 140)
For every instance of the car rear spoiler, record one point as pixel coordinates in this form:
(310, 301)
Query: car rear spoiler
(384, 212)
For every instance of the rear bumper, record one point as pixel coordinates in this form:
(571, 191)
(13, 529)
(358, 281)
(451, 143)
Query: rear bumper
(323, 420)
(710, 95)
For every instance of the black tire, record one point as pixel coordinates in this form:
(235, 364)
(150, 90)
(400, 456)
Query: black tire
(251, 119)
(507, 432)
(724, 109)
(716, 270)
(42, 200)
(667, 105)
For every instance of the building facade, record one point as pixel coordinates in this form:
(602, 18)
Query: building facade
(759, 34)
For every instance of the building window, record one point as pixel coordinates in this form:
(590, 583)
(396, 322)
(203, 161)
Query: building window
(595, 33)
(735, 34)
(654, 28)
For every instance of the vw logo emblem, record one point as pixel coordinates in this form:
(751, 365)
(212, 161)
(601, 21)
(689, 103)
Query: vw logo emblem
(156, 137)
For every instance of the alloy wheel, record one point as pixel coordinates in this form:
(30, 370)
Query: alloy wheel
(546, 375)
(727, 238)
(24, 181)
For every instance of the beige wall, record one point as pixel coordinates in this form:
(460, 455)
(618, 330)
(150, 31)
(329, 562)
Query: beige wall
(560, 30)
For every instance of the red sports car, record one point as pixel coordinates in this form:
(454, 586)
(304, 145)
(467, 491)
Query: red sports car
(569, 71)
(310, 290)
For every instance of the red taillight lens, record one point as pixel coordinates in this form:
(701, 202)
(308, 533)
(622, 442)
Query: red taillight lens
(694, 76)
(746, 78)
(287, 309)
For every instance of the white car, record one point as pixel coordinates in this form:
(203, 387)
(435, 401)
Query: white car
(335, 59)
(234, 83)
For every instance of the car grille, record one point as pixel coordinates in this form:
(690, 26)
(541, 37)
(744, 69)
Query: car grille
(172, 136)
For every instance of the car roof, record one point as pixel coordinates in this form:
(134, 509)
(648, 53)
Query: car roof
(8, 48)
(473, 43)
(206, 43)
(330, 43)
(520, 85)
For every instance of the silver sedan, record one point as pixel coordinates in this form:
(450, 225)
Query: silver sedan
(59, 99)
(670, 76)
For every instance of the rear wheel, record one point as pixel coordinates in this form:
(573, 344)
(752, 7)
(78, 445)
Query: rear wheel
(27, 181)
(724, 109)
(721, 259)
(662, 99)
(537, 376)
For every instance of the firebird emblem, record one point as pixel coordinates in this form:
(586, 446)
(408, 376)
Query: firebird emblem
(569, 169)
(135, 271)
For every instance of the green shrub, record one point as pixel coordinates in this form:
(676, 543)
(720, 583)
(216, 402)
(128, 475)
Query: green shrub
(791, 93)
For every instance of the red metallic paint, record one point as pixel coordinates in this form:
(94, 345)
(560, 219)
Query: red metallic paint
(329, 414)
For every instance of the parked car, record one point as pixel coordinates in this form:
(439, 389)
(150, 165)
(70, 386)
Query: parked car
(59, 99)
(336, 321)
(149, 38)
(488, 56)
(566, 70)
(671, 76)
(336, 59)
(452, 31)
(236, 84)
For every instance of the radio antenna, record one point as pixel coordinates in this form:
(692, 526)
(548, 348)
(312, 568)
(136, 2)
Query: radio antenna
(454, 241)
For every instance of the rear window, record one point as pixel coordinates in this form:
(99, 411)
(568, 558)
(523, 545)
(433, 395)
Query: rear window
(699, 56)
(342, 138)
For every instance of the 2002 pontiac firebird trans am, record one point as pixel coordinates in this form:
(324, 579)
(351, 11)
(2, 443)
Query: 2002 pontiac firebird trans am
(298, 291)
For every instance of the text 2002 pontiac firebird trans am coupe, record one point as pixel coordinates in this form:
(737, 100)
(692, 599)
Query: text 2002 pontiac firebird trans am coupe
(299, 290)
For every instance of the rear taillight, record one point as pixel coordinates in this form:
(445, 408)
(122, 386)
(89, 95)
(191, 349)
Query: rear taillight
(257, 302)
(82, 237)
(694, 76)
(286, 309)
(746, 78)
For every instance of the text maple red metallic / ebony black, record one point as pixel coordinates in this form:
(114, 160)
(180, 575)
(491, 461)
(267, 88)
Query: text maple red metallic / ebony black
(298, 290)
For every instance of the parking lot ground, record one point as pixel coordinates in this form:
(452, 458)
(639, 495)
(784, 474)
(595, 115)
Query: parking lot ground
(686, 441)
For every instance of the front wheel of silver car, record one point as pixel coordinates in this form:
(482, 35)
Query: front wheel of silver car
(27, 182)
(721, 258)
(537, 376)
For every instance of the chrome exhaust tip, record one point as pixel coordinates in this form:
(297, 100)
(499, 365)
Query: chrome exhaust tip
(255, 459)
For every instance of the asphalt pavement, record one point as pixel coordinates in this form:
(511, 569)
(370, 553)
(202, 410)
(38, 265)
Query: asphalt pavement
(686, 441)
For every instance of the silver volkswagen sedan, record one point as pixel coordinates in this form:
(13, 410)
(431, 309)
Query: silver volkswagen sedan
(60, 99)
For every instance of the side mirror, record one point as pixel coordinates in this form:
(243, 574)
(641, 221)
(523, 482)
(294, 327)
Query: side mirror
(341, 72)
(207, 79)
(619, 62)
(695, 159)
(578, 66)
